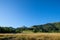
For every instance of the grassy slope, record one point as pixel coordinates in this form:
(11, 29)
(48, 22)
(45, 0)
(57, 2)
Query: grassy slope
(32, 36)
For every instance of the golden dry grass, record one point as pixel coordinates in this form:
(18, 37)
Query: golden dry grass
(32, 36)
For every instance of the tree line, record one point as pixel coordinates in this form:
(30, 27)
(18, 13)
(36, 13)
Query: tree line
(49, 27)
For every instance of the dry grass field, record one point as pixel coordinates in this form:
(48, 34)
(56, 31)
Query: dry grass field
(31, 36)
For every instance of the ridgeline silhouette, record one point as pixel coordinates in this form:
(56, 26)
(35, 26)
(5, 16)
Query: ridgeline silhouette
(49, 27)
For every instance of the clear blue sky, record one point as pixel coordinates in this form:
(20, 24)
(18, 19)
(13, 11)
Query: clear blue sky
(17, 13)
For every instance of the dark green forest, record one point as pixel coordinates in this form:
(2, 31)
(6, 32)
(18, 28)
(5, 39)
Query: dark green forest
(49, 27)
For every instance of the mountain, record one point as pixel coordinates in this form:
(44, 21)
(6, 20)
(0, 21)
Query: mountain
(49, 27)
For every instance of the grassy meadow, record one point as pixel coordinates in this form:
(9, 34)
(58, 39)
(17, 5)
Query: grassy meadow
(30, 36)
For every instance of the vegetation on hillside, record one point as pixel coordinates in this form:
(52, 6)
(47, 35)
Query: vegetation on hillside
(49, 27)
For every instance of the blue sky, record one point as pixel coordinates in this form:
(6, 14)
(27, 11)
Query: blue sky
(18, 13)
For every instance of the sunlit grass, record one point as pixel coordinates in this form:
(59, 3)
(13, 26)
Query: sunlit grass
(32, 36)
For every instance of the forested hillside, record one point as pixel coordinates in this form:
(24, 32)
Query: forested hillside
(49, 27)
